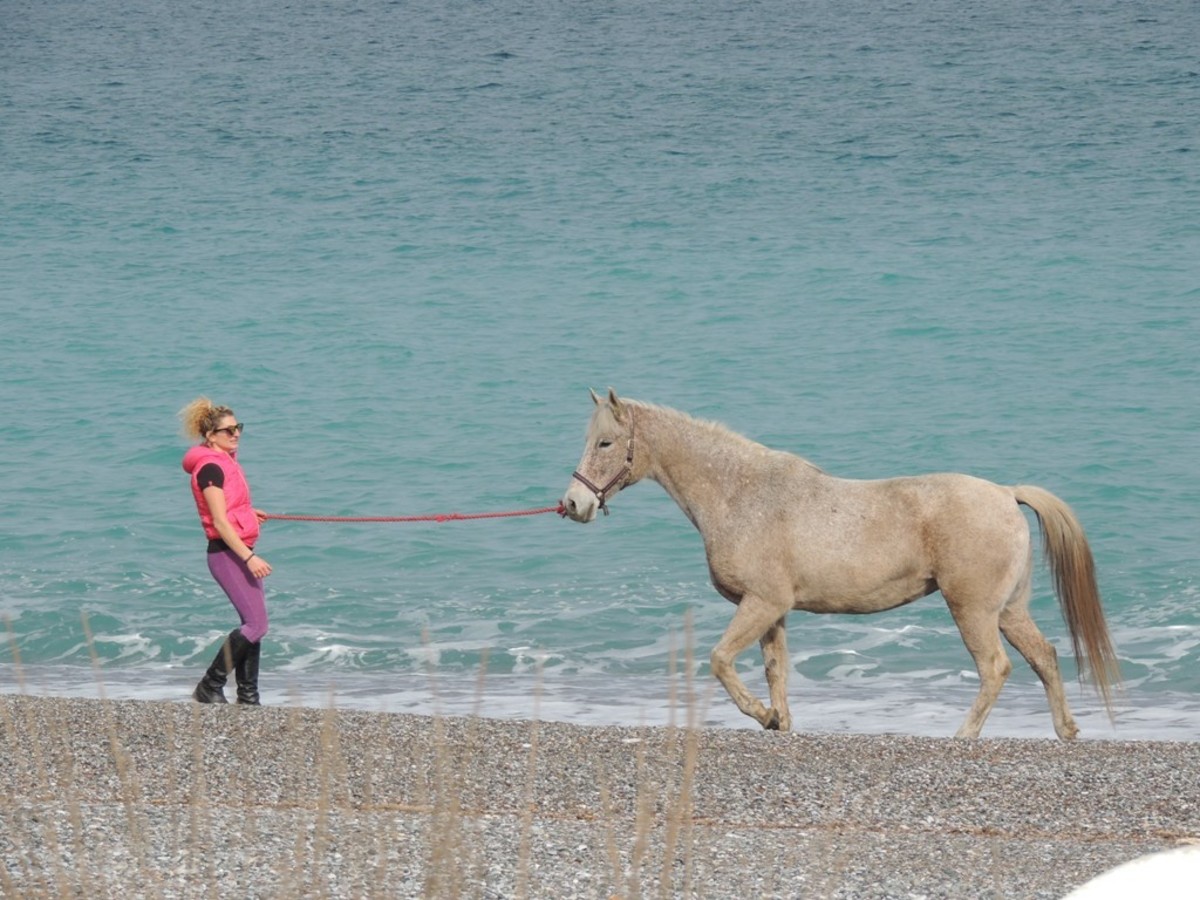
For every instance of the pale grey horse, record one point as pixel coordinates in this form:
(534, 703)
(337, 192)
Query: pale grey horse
(781, 534)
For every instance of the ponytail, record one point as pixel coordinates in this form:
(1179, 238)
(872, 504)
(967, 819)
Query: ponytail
(201, 416)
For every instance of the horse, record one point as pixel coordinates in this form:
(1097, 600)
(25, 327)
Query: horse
(781, 534)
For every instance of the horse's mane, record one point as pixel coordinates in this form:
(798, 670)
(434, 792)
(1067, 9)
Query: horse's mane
(712, 426)
(715, 429)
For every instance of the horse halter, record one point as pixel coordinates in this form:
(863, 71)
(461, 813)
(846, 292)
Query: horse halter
(621, 476)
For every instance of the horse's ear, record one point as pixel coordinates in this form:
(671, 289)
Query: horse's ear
(615, 402)
(595, 396)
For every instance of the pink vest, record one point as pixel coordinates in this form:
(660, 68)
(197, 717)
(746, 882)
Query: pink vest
(238, 508)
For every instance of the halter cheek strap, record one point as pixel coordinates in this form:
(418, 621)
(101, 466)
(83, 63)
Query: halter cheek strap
(622, 476)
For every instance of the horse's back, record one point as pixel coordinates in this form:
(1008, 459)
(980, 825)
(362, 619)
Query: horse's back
(942, 502)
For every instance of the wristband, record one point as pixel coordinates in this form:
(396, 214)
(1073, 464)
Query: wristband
(250, 557)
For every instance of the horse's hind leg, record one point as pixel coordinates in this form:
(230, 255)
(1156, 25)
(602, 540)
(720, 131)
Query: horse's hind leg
(753, 618)
(981, 633)
(775, 660)
(1024, 635)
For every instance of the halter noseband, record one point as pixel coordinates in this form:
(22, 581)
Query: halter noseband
(622, 476)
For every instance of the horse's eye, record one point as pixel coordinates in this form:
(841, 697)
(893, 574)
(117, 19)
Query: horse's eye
(605, 444)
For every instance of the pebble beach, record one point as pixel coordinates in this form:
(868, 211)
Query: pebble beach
(125, 798)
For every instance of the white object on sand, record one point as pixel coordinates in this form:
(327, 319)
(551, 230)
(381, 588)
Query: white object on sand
(1169, 875)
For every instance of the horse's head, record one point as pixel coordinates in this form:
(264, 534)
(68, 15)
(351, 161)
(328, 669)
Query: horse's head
(607, 462)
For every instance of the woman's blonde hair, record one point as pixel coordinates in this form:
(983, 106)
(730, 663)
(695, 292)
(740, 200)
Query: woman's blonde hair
(201, 416)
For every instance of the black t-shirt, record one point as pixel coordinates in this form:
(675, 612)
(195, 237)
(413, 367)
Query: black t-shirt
(210, 475)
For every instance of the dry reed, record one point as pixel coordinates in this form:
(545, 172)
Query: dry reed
(167, 823)
(171, 800)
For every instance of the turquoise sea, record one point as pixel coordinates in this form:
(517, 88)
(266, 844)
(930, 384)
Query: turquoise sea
(402, 240)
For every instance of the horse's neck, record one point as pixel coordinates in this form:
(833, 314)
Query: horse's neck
(697, 463)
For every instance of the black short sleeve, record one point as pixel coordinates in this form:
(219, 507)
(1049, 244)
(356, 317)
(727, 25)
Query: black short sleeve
(210, 475)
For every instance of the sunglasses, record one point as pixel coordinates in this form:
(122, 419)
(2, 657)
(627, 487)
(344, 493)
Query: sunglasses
(231, 430)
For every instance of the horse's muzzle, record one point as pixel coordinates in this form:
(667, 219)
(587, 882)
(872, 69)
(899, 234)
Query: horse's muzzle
(579, 504)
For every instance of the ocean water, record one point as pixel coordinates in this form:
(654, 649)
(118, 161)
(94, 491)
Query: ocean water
(403, 239)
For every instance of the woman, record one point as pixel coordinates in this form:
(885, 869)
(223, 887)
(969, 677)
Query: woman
(231, 525)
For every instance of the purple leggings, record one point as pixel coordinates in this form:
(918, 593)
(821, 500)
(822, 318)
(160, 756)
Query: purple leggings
(244, 590)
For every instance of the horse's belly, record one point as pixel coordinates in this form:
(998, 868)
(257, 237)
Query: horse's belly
(860, 599)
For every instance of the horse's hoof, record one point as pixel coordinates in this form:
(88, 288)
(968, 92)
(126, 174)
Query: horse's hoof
(772, 723)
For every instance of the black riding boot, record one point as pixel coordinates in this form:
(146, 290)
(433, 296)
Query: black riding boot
(211, 688)
(246, 673)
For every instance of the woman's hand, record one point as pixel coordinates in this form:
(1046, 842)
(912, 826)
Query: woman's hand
(258, 566)
(215, 497)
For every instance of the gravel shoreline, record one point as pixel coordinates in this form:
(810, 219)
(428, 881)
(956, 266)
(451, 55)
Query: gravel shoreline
(153, 799)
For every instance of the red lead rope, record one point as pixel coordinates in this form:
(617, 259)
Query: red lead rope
(440, 517)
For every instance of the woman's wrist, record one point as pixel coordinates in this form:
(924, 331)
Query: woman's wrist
(250, 557)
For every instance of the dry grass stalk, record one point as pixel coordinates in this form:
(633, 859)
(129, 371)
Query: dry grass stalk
(660, 817)
(446, 867)
(7, 804)
(131, 792)
(530, 801)
(678, 834)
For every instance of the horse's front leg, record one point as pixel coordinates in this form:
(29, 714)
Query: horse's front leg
(750, 623)
(775, 661)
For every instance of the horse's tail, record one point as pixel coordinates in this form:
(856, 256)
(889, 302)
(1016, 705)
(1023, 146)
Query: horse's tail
(1074, 574)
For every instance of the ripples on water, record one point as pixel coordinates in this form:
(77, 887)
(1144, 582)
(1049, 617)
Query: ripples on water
(403, 240)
